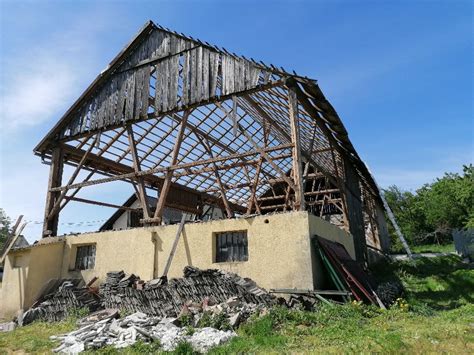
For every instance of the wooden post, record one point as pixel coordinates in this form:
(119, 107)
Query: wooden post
(136, 166)
(297, 161)
(60, 198)
(169, 174)
(50, 225)
(228, 210)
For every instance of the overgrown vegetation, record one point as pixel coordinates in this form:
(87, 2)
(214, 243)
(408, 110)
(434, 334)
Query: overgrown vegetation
(427, 215)
(435, 315)
(4, 227)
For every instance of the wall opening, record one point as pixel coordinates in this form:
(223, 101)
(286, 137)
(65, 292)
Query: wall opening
(85, 257)
(231, 246)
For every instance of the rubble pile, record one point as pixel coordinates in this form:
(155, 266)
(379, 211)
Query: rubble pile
(57, 305)
(160, 299)
(124, 332)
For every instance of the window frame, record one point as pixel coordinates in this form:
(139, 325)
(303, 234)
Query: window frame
(84, 261)
(231, 246)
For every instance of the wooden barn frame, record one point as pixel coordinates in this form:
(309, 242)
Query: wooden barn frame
(199, 125)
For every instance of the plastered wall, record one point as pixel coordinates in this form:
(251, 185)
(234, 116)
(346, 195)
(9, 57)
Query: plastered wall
(279, 247)
(25, 273)
(321, 228)
(278, 243)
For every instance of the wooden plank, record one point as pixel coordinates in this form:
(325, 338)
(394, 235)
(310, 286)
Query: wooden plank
(120, 106)
(213, 72)
(186, 78)
(50, 225)
(229, 211)
(297, 161)
(145, 92)
(173, 77)
(99, 203)
(198, 75)
(253, 189)
(129, 103)
(167, 181)
(205, 74)
(16, 233)
(137, 168)
(175, 246)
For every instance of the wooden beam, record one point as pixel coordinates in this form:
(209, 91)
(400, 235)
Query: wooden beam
(112, 166)
(42, 146)
(169, 174)
(297, 161)
(50, 225)
(57, 203)
(137, 168)
(253, 188)
(99, 203)
(229, 212)
(124, 172)
(267, 157)
(75, 192)
(11, 241)
(175, 246)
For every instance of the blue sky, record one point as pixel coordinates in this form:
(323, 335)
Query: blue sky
(399, 73)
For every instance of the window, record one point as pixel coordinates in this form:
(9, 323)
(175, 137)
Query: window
(231, 246)
(133, 218)
(85, 257)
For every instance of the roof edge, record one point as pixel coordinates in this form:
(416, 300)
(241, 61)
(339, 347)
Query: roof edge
(149, 25)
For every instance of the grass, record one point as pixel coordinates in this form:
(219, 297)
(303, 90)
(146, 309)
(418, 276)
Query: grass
(439, 318)
(34, 337)
(433, 248)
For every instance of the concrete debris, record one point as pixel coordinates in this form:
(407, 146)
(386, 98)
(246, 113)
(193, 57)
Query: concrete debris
(7, 327)
(124, 332)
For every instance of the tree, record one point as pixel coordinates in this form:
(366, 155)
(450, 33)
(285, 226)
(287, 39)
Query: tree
(436, 208)
(4, 227)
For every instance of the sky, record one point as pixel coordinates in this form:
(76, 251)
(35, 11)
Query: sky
(399, 73)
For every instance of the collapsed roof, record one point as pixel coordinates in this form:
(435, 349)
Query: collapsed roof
(198, 125)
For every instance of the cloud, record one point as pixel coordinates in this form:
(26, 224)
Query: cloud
(39, 84)
(35, 94)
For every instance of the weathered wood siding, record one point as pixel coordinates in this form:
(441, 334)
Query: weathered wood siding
(165, 72)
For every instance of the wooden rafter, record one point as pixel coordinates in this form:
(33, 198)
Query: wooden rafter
(136, 166)
(169, 174)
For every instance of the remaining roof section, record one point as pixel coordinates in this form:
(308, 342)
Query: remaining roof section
(235, 105)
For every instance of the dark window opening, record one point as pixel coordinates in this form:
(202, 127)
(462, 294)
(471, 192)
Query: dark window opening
(231, 246)
(133, 219)
(85, 257)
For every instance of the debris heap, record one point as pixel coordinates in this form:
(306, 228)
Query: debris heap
(155, 298)
(124, 332)
(167, 299)
(57, 305)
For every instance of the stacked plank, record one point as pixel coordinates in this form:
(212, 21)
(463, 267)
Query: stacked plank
(167, 299)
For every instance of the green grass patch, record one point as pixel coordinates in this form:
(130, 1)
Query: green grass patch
(438, 317)
(34, 337)
(433, 248)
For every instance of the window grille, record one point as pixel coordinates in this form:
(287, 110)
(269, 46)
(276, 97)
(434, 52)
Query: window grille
(231, 246)
(85, 257)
